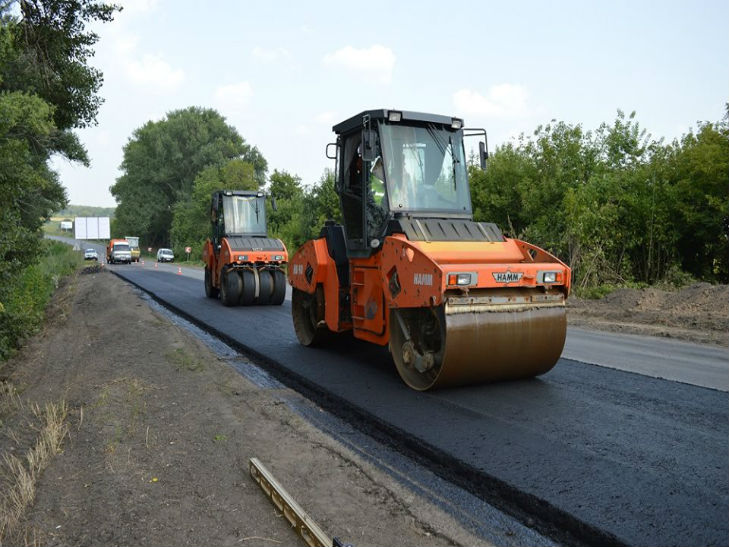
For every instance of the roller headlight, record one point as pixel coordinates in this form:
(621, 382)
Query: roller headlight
(547, 277)
(463, 279)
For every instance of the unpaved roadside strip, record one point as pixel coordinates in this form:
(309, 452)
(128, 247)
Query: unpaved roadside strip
(160, 433)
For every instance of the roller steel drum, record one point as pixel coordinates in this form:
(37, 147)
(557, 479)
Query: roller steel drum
(455, 345)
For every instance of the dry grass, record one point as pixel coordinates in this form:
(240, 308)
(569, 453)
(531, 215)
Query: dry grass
(9, 400)
(20, 475)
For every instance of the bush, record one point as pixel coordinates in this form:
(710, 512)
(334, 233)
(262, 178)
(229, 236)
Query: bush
(677, 278)
(23, 300)
(596, 292)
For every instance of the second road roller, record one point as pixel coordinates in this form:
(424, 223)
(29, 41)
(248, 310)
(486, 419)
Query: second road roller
(456, 301)
(242, 264)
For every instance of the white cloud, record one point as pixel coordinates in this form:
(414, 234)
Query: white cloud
(326, 118)
(501, 101)
(376, 62)
(134, 7)
(233, 99)
(154, 72)
(270, 55)
(125, 44)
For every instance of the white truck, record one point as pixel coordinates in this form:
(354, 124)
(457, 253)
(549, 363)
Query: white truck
(118, 251)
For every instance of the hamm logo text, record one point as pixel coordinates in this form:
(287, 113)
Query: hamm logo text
(507, 277)
(423, 279)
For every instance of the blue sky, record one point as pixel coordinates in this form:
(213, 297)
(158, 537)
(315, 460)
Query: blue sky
(282, 73)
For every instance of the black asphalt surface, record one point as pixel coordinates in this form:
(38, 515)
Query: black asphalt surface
(606, 455)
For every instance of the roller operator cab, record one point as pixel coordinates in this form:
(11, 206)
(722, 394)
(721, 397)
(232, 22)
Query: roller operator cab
(242, 264)
(455, 301)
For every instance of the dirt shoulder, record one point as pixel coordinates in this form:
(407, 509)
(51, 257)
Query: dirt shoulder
(160, 432)
(696, 313)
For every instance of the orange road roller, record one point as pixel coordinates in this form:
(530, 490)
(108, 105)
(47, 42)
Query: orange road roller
(456, 301)
(242, 264)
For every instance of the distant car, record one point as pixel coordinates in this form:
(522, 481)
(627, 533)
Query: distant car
(165, 255)
(91, 254)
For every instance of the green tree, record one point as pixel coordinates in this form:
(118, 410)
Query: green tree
(49, 48)
(326, 200)
(161, 162)
(301, 212)
(30, 191)
(44, 85)
(288, 220)
(46, 90)
(495, 192)
(699, 191)
(615, 204)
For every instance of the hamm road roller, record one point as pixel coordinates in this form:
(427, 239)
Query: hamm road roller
(456, 301)
(242, 264)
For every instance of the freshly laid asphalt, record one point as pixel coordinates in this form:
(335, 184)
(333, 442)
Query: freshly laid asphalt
(603, 455)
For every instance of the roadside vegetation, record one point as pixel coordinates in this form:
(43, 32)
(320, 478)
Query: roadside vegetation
(47, 90)
(619, 207)
(23, 304)
(71, 211)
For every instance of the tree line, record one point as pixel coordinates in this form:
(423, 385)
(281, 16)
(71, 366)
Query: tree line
(615, 204)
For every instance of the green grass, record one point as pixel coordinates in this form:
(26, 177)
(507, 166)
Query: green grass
(24, 296)
(601, 291)
(595, 293)
(183, 361)
(53, 228)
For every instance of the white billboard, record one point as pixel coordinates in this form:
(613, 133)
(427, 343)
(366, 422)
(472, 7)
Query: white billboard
(92, 228)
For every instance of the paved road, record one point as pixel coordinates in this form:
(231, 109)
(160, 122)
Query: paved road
(612, 456)
(695, 364)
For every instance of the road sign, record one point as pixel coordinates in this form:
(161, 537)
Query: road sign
(188, 250)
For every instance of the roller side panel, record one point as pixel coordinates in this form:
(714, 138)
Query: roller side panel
(311, 266)
(369, 303)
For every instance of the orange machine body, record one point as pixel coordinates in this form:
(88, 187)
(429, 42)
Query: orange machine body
(416, 274)
(243, 266)
(241, 253)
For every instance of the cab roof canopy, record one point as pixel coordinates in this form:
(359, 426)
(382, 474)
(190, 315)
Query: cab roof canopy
(355, 122)
(247, 193)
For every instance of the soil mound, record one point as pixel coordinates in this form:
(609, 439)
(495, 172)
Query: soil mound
(698, 312)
